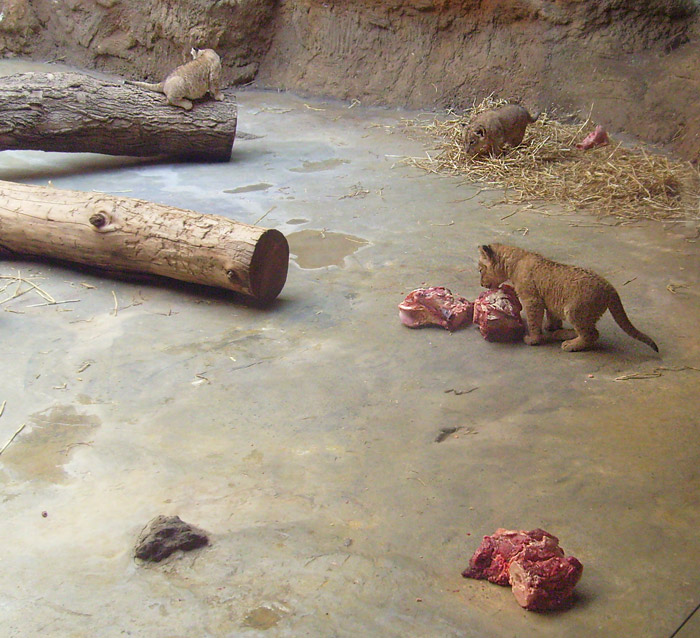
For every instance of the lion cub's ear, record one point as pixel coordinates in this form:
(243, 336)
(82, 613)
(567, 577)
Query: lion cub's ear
(486, 252)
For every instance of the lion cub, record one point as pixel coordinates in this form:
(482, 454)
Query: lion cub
(192, 80)
(490, 131)
(566, 292)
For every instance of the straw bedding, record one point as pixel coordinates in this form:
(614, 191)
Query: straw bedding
(626, 183)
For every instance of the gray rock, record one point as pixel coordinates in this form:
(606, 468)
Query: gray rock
(165, 535)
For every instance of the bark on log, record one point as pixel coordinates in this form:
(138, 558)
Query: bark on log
(77, 113)
(132, 235)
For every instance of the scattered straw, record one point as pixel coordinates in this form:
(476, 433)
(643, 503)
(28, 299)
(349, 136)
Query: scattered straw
(627, 183)
(357, 191)
(19, 280)
(12, 438)
(655, 373)
(259, 219)
(85, 366)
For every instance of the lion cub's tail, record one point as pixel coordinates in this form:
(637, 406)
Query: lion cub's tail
(620, 316)
(146, 85)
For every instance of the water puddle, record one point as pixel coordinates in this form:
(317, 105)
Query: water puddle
(262, 618)
(262, 186)
(45, 445)
(319, 248)
(313, 167)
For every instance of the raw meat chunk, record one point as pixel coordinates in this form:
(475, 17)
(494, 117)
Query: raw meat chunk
(541, 576)
(599, 137)
(492, 558)
(497, 313)
(435, 306)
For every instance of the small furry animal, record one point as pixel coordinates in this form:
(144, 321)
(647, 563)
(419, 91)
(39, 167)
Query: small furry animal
(191, 81)
(490, 131)
(575, 294)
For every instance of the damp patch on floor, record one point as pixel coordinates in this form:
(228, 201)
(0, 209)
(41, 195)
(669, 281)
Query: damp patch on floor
(41, 450)
(319, 248)
(313, 167)
(249, 188)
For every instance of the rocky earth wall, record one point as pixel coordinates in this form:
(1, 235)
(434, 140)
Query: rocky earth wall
(634, 65)
(139, 38)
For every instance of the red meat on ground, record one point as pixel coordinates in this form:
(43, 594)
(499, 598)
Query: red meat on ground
(598, 137)
(497, 313)
(435, 306)
(541, 576)
(542, 579)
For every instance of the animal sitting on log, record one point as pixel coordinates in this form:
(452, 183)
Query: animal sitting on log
(190, 81)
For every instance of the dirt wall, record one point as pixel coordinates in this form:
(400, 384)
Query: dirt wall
(634, 65)
(139, 38)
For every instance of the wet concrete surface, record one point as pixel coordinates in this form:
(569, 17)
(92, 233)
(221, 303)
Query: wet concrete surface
(302, 437)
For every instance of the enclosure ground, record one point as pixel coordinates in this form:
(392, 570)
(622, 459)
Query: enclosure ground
(302, 437)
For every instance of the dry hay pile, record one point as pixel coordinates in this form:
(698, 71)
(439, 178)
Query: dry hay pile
(627, 183)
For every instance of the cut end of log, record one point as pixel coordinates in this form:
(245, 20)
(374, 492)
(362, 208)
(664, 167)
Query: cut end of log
(117, 234)
(269, 266)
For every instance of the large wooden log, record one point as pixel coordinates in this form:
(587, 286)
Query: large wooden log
(78, 113)
(132, 235)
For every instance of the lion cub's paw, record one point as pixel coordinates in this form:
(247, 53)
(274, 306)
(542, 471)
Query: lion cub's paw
(533, 340)
(575, 345)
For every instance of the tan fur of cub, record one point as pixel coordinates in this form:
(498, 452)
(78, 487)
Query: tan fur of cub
(490, 131)
(191, 81)
(569, 293)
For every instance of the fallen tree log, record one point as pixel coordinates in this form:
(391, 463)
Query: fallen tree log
(131, 235)
(72, 112)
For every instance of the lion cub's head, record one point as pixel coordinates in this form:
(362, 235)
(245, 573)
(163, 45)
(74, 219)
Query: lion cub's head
(474, 139)
(490, 269)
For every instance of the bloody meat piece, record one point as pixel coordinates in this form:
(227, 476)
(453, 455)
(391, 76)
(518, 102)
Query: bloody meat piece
(541, 576)
(492, 558)
(435, 306)
(497, 313)
(598, 137)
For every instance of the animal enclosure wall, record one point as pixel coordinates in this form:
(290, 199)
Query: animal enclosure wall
(416, 53)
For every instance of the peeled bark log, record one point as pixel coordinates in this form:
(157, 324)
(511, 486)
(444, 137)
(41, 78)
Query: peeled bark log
(132, 235)
(72, 112)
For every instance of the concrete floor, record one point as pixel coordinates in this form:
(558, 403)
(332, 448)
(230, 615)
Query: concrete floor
(302, 437)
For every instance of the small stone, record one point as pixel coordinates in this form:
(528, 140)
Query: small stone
(165, 535)
(45, 514)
